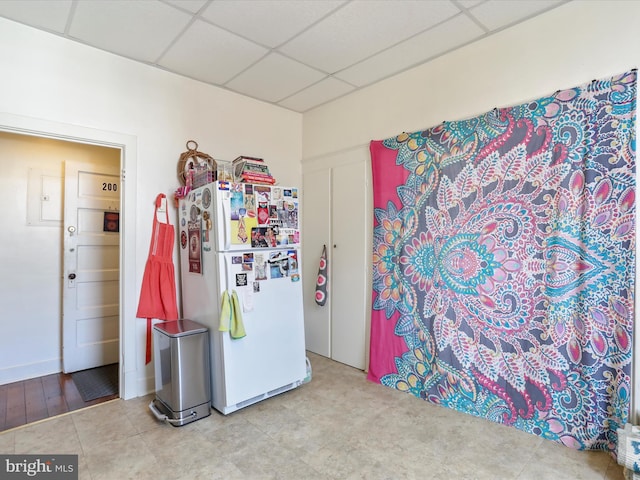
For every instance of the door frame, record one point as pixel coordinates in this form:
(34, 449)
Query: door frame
(127, 144)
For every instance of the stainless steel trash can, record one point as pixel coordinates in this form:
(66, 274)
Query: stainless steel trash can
(182, 378)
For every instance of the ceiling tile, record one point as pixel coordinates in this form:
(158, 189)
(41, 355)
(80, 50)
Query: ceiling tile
(285, 18)
(495, 14)
(316, 94)
(140, 29)
(192, 6)
(362, 28)
(48, 14)
(210, 54)
(440, 39)
(274, 78)
(295, 53)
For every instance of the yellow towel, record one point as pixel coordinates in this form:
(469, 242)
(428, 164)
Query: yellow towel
(231, 315)
(237, 326)
(225, 312)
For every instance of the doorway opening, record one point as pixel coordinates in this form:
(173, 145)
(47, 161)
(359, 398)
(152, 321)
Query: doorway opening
(22, 289)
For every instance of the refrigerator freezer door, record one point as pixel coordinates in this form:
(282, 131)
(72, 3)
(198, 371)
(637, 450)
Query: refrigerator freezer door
(254, 216)
(271, 357)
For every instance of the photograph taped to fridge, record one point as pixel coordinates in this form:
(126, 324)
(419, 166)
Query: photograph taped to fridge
(195, 247)
(264, 237)
(279, 264)
(237, 203)
(260, 267)
(241, 280)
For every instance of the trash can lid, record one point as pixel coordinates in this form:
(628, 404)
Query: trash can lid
(178, 328)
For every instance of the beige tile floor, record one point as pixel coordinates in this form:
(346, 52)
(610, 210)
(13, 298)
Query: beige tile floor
(338, 426)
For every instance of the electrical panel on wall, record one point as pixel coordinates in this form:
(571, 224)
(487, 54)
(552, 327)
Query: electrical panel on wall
(44, 198)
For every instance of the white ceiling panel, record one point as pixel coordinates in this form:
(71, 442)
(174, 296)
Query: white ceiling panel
(317, 94)
(210, 54)
(363, 28)
(268, 22)
(43, 14)
(274, 78)
(146, 29)
(495, 14)
(436, 41)
(294, 53)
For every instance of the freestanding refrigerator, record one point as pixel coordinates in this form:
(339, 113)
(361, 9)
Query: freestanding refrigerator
(243, 241)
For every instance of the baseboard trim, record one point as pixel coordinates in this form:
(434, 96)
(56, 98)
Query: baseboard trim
(17, 373)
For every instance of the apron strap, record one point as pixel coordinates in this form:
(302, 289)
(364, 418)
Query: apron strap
(148, 349)
(159, 199)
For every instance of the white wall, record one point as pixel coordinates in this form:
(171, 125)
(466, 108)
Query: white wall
(47, 80)
(568, 46)
(30, 286)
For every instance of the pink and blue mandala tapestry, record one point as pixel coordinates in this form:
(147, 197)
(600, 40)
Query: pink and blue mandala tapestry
(504, 263)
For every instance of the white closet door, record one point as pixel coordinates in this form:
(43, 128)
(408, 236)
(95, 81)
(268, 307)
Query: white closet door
(316, 232)
(348, 264)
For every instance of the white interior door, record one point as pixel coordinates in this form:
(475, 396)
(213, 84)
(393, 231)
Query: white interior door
(91, 266)
(316, 232)
(348, 259)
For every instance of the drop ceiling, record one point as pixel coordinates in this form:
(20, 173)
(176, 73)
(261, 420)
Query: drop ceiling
(297, 54)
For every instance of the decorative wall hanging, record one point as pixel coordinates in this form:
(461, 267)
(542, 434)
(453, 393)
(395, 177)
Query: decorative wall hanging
(321, 280)
(192, 163)
(503, 265)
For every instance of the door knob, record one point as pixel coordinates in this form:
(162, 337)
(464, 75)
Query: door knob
(72, 276)
(71, 229)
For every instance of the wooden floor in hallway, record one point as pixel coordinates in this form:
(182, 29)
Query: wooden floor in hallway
(35, 399)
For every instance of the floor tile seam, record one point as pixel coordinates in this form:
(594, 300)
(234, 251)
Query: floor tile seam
(532, 452)
(75, 429)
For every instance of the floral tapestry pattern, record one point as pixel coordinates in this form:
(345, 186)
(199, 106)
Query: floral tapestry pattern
(504, 263)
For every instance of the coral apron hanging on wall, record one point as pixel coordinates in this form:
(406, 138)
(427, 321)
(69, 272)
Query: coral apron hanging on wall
(158, 292)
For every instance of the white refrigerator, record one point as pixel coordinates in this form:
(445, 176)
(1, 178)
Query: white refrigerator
(244, 239)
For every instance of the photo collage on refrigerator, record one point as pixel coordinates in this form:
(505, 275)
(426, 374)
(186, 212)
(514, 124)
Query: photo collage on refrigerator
(263, 218)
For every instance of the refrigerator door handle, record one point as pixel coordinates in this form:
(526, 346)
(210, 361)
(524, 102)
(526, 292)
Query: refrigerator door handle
(226, 270)
(225, 224)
